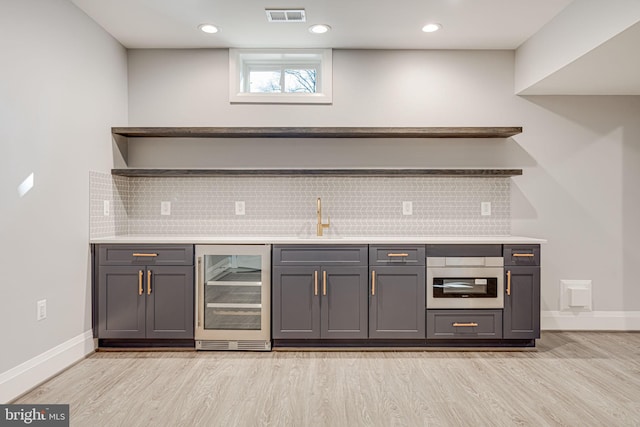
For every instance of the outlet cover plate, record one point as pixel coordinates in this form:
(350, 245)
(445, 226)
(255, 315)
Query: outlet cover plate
(165, 208)
(407, 208)
(240, 208)
(576, 295)
(42, 309)
(485, 208)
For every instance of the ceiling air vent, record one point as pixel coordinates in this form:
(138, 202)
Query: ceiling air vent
(285, 15)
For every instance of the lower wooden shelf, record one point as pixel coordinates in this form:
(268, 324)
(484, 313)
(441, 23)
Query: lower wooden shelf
(488, 173)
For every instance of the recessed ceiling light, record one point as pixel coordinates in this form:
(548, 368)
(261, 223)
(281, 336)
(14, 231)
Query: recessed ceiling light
(430, 28)
(208, 28)
(319, 29)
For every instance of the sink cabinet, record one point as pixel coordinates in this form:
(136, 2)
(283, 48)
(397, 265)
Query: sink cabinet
(319, 292)
(145, 292)
(521, 319)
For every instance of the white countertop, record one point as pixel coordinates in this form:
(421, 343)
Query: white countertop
(330, 239)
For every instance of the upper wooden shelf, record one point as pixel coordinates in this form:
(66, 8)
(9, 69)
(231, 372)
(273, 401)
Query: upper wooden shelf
(316, 132)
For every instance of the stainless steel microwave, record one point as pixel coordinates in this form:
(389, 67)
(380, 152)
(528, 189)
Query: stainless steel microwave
(465, 282)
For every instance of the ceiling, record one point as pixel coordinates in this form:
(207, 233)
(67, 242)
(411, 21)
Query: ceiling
(360, 24)
(570, 56)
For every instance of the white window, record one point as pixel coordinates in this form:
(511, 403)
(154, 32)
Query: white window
(280, 76)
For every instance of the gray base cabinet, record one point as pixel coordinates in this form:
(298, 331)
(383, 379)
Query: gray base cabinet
(319, 292)
(138, 299)
(521, 319)
(319, 302)
(396, 302)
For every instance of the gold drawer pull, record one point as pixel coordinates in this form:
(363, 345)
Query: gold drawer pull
(148, 255)
(315, 283)
(148, 282)
(465, 324)
(140, 290)
(373, 283)
(509, 282)
(324, 283)
(522, 255)
(397, 254)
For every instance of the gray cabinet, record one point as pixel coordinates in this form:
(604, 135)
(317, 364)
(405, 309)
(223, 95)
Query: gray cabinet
(464, 324)
(397, 292)
(319, 292)
(139, 299)
(522, 292)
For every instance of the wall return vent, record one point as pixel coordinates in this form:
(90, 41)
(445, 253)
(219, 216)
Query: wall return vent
(285, 15)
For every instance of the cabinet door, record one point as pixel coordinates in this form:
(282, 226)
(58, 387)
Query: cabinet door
(397, 302)
(121, 306)
(296, 302)
(344, 302)
(522, 303)
(169, 299)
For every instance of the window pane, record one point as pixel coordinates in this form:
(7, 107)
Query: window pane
(301, 80)
(264, 81)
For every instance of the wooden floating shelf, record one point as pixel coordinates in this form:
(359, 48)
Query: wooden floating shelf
(463, 173)
(316, 132)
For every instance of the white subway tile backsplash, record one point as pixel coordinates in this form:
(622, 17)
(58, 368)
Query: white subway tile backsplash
(287, 205)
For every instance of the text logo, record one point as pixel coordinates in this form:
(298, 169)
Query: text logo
(34, 415)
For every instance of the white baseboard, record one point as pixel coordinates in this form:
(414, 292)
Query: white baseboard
(590, 321)
(27, 375)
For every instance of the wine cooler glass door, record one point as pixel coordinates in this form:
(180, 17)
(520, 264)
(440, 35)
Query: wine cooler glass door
(233, 292)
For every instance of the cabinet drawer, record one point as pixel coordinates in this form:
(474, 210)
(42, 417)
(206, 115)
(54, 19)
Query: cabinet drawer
(464, 324)
(521, 255)
(146, 254)
(464, 250)
(396, 255)
(347, 255)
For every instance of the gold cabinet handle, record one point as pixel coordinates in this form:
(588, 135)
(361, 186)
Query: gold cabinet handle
(522, 255)
(470, 324)
(199, 292)
(392, 255)
(148, 282)
(509, 282)
(373, 283)
(147, 255)
(140, 290)
(324, 283)
(315, 283)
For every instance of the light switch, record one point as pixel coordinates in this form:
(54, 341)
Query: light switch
(165, 208)
(106, 208)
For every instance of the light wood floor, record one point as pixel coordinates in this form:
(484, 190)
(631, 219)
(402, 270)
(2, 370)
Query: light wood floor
(573, 379)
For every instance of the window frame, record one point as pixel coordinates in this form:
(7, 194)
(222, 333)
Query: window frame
(240, 61)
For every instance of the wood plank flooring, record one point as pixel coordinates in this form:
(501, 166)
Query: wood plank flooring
(573, 379)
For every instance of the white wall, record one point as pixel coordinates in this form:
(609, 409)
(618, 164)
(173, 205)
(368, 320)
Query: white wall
(63, 83)
(582, 26)
(579, 154)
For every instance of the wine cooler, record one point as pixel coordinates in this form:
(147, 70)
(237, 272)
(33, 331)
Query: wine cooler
(233, 298)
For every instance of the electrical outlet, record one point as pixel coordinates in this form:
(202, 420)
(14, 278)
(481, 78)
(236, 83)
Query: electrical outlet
(407, 208)
(485, 208)
(165, 208)
(42, 309)
(240, 208)
(106, 208)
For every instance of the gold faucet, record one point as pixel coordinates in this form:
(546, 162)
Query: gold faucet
(321, 226)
